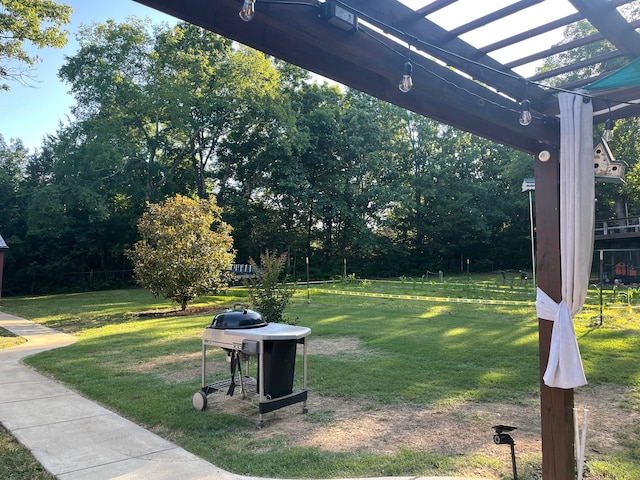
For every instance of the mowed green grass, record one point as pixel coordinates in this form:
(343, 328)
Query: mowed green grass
(8, 339)
(418, 352)
(16, 462)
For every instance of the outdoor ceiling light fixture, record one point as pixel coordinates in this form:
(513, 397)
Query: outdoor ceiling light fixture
(248, 10)
(340, 16)
(525, 113)
(406, 83)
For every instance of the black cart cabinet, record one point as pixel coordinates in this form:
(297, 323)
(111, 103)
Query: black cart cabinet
(274, 346)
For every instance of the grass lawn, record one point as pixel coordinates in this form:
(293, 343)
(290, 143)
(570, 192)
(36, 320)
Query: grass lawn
(8, 339)
(422, 346)
(16, 462)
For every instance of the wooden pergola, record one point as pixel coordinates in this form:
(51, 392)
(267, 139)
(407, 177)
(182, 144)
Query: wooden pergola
(465, 83)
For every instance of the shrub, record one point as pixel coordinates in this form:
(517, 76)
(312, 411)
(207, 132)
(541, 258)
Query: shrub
(268, 295)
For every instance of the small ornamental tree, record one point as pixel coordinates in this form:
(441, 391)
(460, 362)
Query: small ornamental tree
(268, 295)
(184, 250)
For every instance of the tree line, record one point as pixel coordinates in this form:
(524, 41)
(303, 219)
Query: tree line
(297, 166)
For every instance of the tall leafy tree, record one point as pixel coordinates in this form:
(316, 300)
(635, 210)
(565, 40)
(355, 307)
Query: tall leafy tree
(39, 22)
(626, 146)
(321, 165)
(196, 75)
(180, 109)
(583, 29)
(419, 163)
(261, 140)
(456, 201)
(114, 86)
(369, 152)
(13, 158)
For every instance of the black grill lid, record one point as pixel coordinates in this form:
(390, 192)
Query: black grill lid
(238, 317)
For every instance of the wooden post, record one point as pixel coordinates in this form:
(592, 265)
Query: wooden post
(556, 405)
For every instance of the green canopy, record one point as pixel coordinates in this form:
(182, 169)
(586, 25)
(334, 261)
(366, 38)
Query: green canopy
(627, 76)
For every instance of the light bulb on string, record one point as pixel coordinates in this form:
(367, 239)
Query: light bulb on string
(248, 10)
(525, 113)
(406, 83)
(607, 136)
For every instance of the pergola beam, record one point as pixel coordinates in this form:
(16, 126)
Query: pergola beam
(434, 7)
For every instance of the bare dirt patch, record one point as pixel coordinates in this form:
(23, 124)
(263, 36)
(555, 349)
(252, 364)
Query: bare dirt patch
(174, 368)
(344, 425)
(335, 346)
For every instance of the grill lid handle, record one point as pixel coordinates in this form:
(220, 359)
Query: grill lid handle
(237, 306)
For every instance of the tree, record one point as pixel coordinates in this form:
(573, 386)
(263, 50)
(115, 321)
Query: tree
(456, 199)
(119, 110)
(37, 21)
(12, 160)
(184, 250)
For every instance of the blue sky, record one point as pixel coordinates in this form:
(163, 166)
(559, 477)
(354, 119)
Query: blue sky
(30, 113)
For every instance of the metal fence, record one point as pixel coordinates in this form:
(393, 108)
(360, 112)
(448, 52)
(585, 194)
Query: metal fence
(617, 266)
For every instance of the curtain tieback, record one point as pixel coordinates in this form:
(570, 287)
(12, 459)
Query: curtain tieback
(564, 368)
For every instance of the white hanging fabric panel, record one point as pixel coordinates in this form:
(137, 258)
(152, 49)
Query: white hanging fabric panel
(577, 209)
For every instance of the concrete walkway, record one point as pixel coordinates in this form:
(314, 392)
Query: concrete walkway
(77, 439)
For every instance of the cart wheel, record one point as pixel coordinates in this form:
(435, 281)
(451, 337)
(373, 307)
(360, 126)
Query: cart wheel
(305, 410)
(259, 424)
(199, 400)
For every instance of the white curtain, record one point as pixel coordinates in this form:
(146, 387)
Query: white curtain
(577, 205)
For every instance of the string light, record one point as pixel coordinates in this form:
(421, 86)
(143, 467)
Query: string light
(248, 10)
(525, 113)
(406, 83)
(431, 72)
(608, 130)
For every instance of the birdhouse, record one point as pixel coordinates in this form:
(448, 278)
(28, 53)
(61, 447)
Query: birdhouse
(607, 169)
